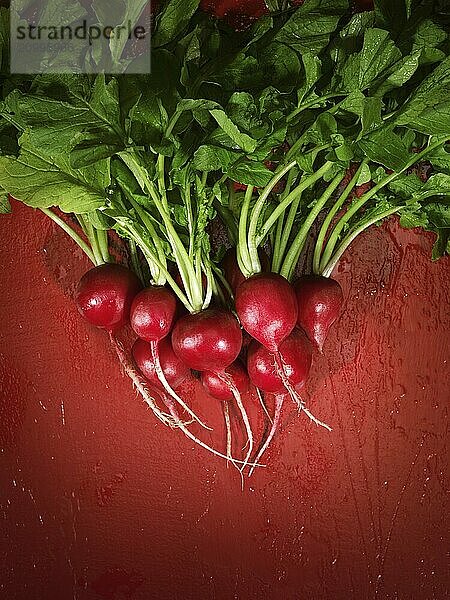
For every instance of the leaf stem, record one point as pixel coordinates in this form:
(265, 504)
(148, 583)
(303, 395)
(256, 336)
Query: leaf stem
(355, 207)
(330, 216)
(310, 180)
(298, 244)
(71, 232)
(329, 267)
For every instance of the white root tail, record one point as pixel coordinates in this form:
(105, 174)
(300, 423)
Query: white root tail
(173, 411)
(237, 396)
(279, 400)
(263, 404)
(226, 416)
(140, 385)
(294, 395)
(162, 378)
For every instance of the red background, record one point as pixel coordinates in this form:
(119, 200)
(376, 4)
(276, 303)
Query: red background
(98, 500)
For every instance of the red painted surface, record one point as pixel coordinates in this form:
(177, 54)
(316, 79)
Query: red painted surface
(99, 501)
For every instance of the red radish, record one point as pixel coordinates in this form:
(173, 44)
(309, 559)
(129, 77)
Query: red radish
(231, 269)
(207, 341)
(267, 308)
(218, 389)
(284, 371)
(175, 371)
(320, 301)
(295, 357)
(163, 369)
(152, 316)
(211, 341)
(105, 294)
(153, 313)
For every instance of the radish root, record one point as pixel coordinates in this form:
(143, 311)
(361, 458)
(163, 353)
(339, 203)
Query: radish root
(279, 400)
(162, 378)
(237, 396)
(140, 385)
(294, 395)
(173, 411)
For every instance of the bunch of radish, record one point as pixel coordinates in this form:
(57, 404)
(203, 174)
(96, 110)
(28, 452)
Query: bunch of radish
(284, 322)
(232, 179)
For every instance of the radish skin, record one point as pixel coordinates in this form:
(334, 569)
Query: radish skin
(267, 308)
(105, 294)
(319, 301)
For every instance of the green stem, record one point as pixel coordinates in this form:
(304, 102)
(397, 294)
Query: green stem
(284, 230)
(161, 181)
(299, 242)
(132, 160)
(290, 198)
(330, 266)
(243, 251)
(157, 274)
(132, 231)
(354, 208)
(136, 264)
(330, 216)
(73, 234)
(256, 212)
(90, 233)
(312, 102)
(102, 236)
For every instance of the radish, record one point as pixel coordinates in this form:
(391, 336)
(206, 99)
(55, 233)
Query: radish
(207, 341)
(233, 273)
(295, 357)
(218, 389)
(284, 371)
(320, 301)
(211, 341)
(175, 371)
(153, 313)
(105, 294)
(267, 308)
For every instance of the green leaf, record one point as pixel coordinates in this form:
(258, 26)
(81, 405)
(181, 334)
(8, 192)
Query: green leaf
(378, 54)
(428, 108)
(41, 181)
(242, 110)
(173, 20)
(242, 140)
(5, 206)
(250, 173)
(213, 158)
(386, 148)
(93, 147)
(312, 67)
(281, 64)
(310, 27)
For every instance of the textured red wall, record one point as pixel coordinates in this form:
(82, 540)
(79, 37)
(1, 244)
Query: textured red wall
(99, 501)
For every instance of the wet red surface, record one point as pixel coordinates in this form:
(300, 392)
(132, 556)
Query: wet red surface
(99, 501)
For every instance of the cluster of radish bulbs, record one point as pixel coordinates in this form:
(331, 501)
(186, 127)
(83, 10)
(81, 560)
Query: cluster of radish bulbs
(266, 340)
